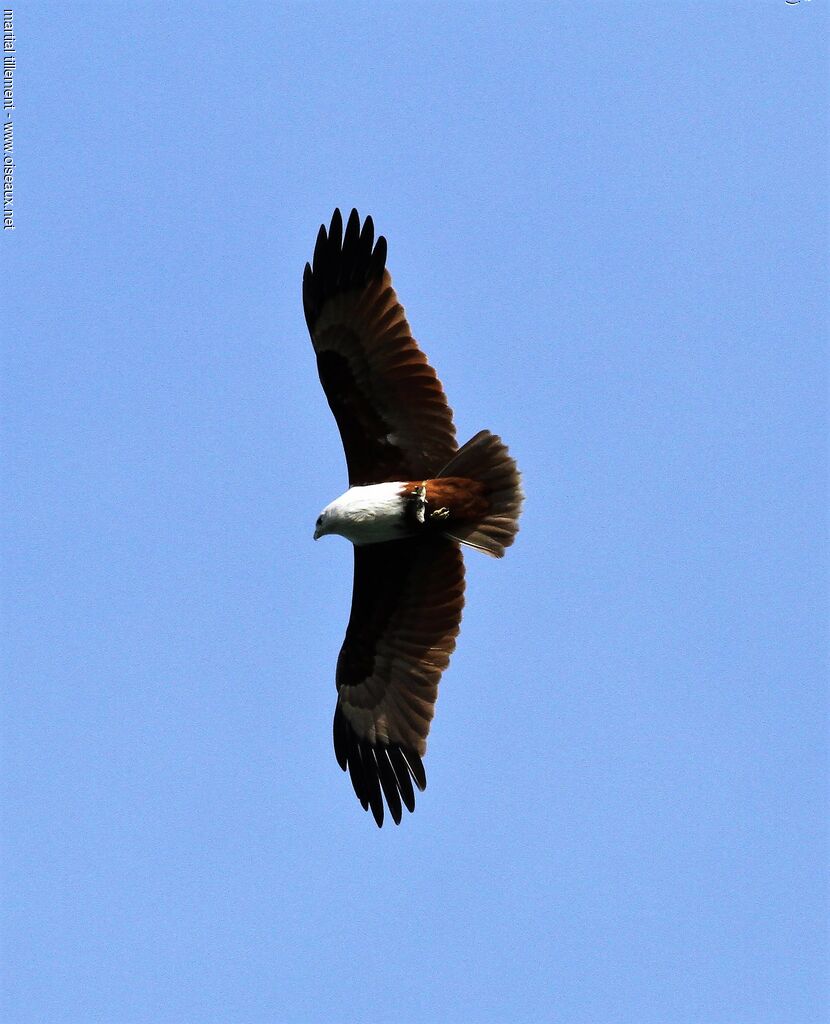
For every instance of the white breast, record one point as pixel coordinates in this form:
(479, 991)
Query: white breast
(368, 515)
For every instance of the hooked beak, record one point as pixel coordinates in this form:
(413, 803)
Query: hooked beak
(316, 534)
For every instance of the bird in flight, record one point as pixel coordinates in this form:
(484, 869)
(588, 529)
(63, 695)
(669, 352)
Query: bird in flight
(414, 497)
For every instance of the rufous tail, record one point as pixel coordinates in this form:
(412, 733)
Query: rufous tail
(485, 458)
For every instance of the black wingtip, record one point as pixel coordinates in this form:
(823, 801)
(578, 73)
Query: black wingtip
(368, 231)
(416, 768)
(336, 230)
(389, 784)
(380, 775)
(341, 261)
(402, 777)
(319, 247)
(378, 261)
(372, 780)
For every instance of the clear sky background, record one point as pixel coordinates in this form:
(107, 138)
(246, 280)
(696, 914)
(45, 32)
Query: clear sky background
(608, 225)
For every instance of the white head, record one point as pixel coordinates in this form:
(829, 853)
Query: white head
(365, 515)
(325, 523)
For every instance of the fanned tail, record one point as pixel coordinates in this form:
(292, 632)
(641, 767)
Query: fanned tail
(485, 459)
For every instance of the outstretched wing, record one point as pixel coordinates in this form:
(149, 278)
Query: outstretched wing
(406, 612)
(388, 402)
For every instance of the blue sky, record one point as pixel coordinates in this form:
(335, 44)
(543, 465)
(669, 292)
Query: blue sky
(608, 225)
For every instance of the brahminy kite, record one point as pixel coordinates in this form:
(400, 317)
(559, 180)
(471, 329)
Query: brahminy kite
(414, 496)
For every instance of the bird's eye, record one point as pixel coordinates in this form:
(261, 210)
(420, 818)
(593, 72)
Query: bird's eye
(319, 520)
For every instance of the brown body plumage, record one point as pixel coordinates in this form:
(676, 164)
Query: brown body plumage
(453, 499)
